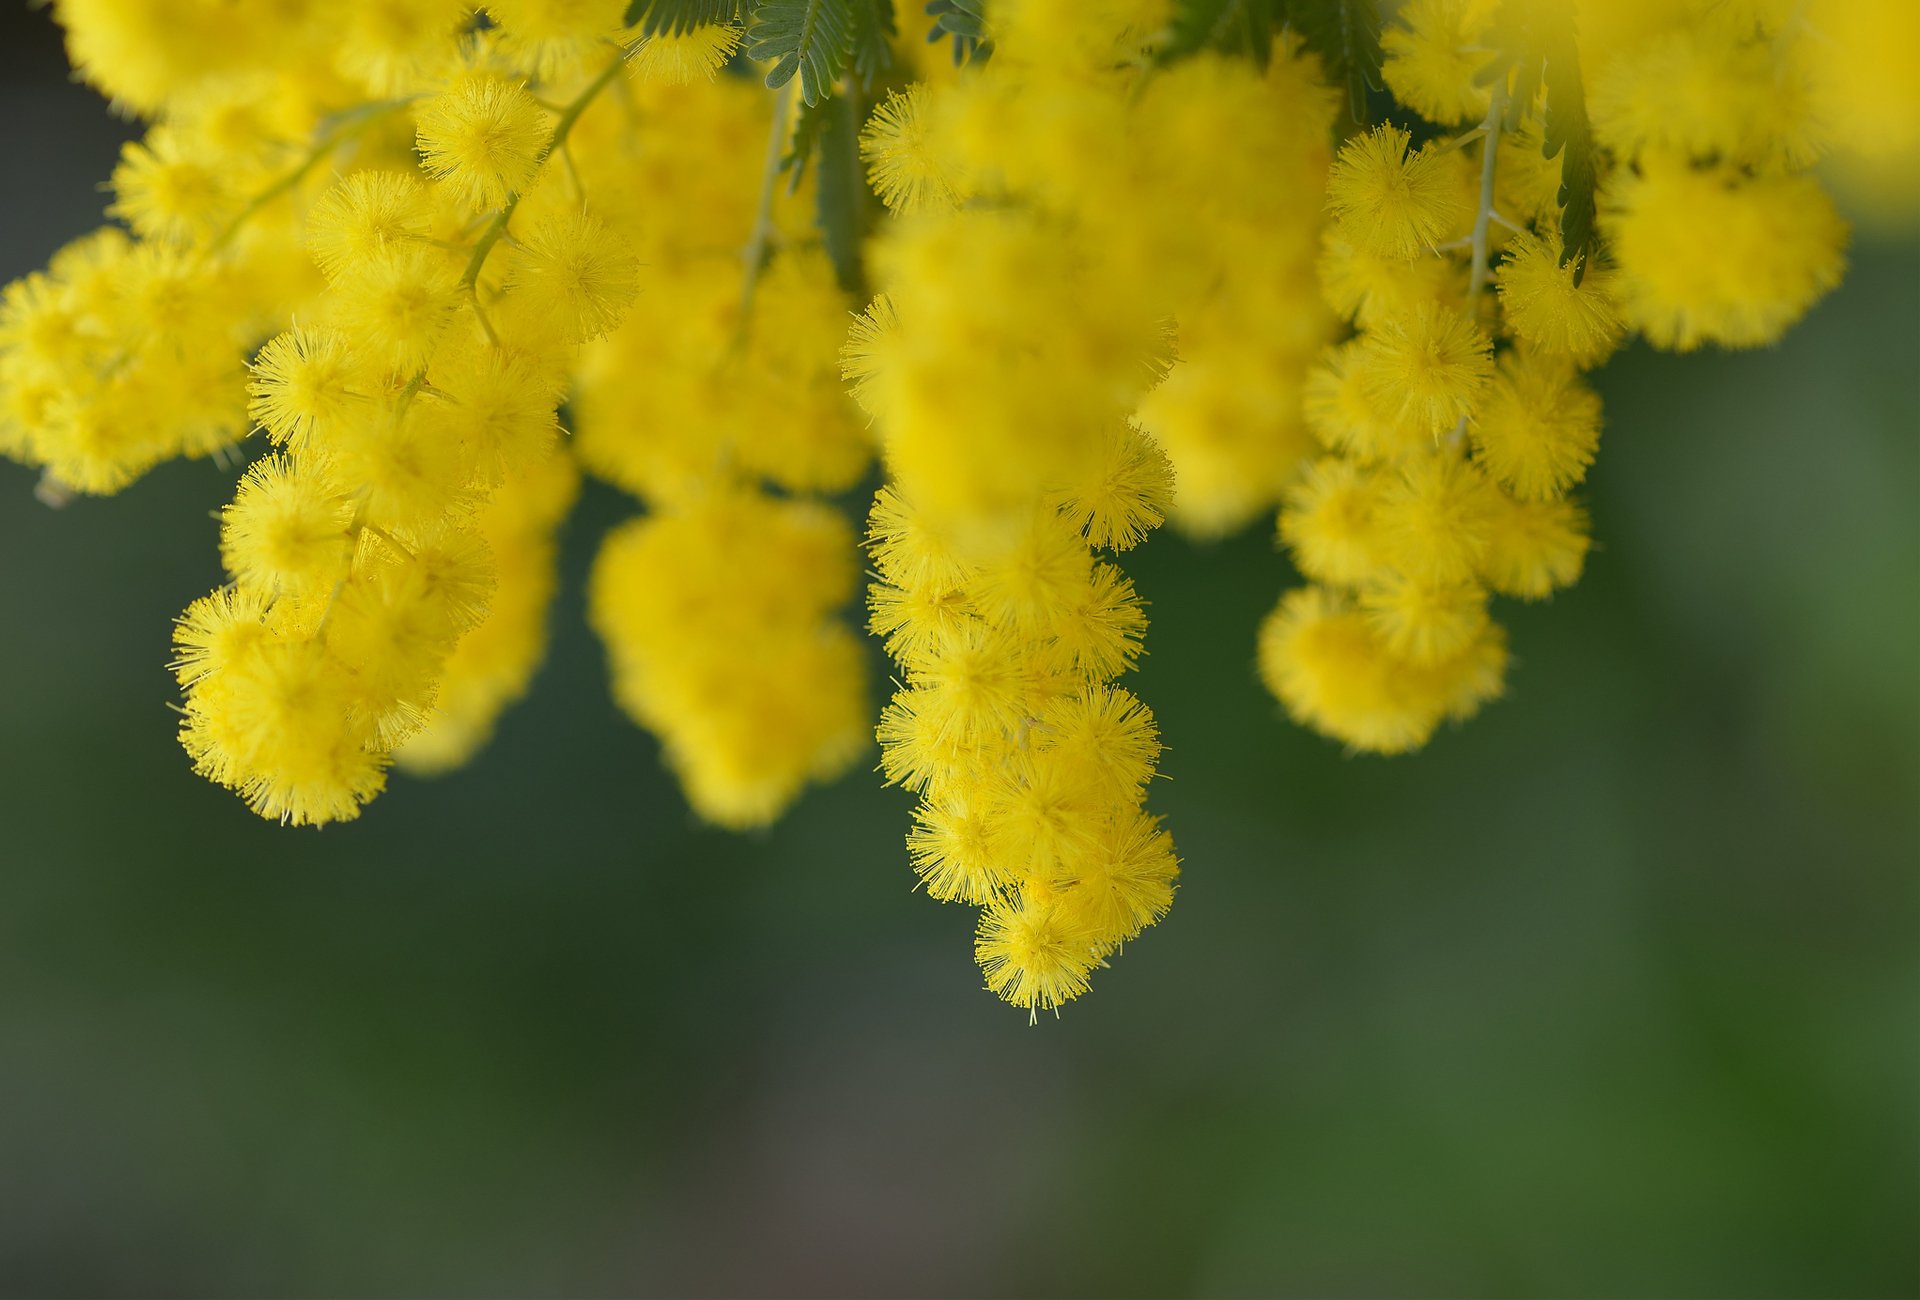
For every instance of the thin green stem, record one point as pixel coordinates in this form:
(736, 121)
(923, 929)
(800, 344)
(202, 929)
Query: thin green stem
(343, 127)
(1483, 216)
(561, 129)
(755, 253)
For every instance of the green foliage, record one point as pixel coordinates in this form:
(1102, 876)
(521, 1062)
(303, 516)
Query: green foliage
(671, 17)
(1537, 47)
(808, 37)
(1344, 33)
(842, 202)
(1346, 36)
(809, 124)
(870, 50)
(965, 23)
(1229, 26)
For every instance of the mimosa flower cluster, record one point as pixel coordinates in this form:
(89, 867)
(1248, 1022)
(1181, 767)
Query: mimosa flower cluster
(417, 264)
(1456, 423)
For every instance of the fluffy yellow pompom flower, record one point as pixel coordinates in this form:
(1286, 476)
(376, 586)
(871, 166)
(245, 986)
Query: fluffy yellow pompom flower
(169, 187)
(573, 275)
(1368, 288)
(1036, 953)
(550, 38)
(217, 631)
(396, 307)
(1323, 660)
(903, 161)
(1707, 255)
(1424, 620)
(1546, 310)
(484, 137)
(1434, 54)
(276, 723)
(285, 532)
(1330, 522)
(301, 379)
(1534, 548)
(683, 58)
(1425, 369)
(1390, 202)
(1434, 516)
(1536, 430)
(364, 216)
(719, 628)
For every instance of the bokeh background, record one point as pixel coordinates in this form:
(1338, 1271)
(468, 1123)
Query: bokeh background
(1613, 992)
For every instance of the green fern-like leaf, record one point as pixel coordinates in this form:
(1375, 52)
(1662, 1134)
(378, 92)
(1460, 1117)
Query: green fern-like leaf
(809, 125)
(870, 48)
(964, 22)
(672, 17)
(841, 198)
(1346, 36)
(804, 37)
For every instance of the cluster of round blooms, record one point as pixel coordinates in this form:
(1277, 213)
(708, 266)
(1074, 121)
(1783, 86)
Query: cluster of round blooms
(1061, 336)
(719, 609)
(1456, 422)
(434, 208)
(1123, 277)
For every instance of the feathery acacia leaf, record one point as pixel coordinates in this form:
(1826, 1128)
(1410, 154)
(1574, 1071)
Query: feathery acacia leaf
(804, 37)
(870, 50)
(1346, 36)
(809, 124)
(672, 17)
(965, 23)
(841, 198)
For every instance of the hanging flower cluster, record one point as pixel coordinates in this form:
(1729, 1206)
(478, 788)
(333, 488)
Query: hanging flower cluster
(1484, 270)
(1113, 264)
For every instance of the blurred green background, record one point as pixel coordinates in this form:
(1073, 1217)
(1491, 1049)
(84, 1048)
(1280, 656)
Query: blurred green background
(1613, 992)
